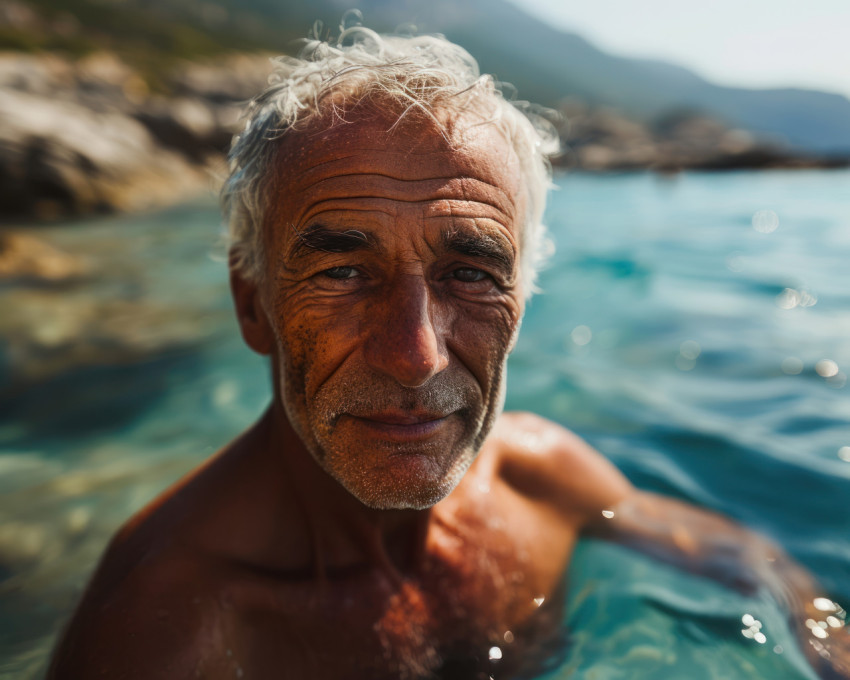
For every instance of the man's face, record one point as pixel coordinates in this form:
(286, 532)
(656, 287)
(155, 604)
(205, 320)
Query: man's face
(393, 296)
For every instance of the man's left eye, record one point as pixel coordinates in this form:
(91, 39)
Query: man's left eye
(469, 275)
(341, 273)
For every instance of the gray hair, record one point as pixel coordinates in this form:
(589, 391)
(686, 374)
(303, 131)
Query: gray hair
(425, 74)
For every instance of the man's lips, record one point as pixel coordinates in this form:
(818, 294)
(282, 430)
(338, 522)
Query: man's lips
(403, 424)
(400, 417)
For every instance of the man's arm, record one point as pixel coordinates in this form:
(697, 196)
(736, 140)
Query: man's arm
(711, 545)
(557, 467)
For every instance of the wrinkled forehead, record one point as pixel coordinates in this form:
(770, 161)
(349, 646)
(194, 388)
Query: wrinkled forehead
(415, 147)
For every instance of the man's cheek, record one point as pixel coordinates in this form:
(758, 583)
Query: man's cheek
(485, 340)
(296, 362)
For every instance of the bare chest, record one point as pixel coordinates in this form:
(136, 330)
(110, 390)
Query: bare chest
(486, 597)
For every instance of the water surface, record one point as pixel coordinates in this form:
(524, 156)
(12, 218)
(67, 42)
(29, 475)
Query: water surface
(693, 328)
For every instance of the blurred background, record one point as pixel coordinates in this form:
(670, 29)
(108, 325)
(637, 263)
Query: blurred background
(693, 323)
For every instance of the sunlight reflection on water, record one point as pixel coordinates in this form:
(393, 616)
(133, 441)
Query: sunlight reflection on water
(661, 339)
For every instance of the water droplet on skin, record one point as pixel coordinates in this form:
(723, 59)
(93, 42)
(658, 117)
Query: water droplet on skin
(824, 604)
(607, 514)
(539, 600)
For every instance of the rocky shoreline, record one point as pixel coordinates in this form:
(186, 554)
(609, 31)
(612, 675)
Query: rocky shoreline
(90, 137)
(87, 137)
(603, 140)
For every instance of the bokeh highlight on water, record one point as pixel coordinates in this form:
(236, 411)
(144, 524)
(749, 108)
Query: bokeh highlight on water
(694, 328)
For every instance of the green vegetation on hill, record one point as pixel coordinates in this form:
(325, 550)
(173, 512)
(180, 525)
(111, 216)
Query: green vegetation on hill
(150, 37)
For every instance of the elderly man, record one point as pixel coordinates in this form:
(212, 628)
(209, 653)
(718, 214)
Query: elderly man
(383, 518)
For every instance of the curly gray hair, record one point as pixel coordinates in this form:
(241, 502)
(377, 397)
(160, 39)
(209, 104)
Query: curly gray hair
(424, 74)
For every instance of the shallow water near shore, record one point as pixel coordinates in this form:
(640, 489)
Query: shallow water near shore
(692, 328)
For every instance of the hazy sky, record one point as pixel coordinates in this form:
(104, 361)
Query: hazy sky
(751, 43)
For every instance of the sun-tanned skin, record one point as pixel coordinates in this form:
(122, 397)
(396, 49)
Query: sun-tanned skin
(339, 537)
(254, 566)
(388, 361)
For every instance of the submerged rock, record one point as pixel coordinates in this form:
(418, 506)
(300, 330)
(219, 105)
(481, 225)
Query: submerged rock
(25, 257)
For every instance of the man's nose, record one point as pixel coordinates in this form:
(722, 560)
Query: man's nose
(406, 342)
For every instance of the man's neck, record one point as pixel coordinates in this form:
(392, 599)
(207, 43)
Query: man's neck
(345, 534)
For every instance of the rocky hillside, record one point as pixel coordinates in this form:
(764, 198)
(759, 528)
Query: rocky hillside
(603, 139)
(89, 136)
(127, 105)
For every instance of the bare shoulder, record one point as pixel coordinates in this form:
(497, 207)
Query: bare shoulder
(165, 598)
(149, 609)
(152, 621)
(546, 461)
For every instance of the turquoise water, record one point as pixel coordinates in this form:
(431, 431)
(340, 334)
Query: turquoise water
(694, 329)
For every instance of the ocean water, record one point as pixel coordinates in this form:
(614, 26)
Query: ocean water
(693, 328)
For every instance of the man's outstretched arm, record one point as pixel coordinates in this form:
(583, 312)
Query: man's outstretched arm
(711, 545)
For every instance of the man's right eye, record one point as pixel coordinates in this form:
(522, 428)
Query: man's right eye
(341, 273)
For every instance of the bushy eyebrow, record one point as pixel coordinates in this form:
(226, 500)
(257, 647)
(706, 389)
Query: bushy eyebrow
(318, 237)
(480, 245)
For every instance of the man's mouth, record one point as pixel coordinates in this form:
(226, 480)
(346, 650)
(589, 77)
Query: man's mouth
(403, 425)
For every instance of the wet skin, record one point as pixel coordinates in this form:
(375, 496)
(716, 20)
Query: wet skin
(382, 519)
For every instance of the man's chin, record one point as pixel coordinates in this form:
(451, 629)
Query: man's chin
(409, 482)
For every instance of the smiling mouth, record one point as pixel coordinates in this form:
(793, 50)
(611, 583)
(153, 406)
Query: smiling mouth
(403, 426)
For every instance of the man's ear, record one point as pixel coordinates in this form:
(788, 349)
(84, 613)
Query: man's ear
(251, 313)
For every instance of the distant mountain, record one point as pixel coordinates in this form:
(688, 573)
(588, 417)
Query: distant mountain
(545, 63)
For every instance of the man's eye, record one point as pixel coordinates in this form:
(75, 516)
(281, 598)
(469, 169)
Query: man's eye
(469, 275)
(341, 273)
